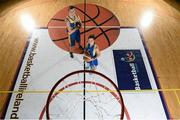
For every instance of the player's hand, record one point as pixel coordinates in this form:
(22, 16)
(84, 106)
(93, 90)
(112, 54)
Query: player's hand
(86, 58)
(70, 32)
(91, 59)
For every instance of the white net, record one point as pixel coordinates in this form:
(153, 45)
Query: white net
(102, 101)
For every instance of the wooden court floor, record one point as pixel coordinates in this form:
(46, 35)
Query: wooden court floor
(161, 31)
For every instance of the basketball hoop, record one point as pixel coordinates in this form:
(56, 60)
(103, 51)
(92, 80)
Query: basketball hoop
(103, 98)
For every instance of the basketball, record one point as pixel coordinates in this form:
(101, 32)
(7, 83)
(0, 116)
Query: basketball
(78, 25)
(86, 59)
(87, 56)
(97, 21)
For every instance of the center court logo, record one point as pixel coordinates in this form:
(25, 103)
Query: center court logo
(128, 57)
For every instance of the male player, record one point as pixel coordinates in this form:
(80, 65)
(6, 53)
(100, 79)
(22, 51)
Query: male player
(73, 23)
(91, 53)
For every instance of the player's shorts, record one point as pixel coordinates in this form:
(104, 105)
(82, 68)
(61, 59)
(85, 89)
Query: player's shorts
(93, 64)
(74, 37)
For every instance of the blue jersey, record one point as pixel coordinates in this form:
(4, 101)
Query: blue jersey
(73, 21)
(92, 52)
(75, 36)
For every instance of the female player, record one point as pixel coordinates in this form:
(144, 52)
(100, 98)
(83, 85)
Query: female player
(73, 23)
(91, 53)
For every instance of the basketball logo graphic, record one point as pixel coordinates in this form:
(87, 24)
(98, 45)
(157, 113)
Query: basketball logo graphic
(99, 21)
(129, 57)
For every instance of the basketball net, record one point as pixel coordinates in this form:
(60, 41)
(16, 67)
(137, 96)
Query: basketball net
(103, 100)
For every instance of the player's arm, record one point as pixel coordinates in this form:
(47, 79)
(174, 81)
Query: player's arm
(85, 48)
(68, 25)
(79, 20)
(98, 53)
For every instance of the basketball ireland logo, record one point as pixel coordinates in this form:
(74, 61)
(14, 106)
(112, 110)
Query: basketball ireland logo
(128, 57)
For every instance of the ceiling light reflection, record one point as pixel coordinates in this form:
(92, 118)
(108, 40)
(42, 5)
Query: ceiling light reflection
(146, 19)
(27, 22)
